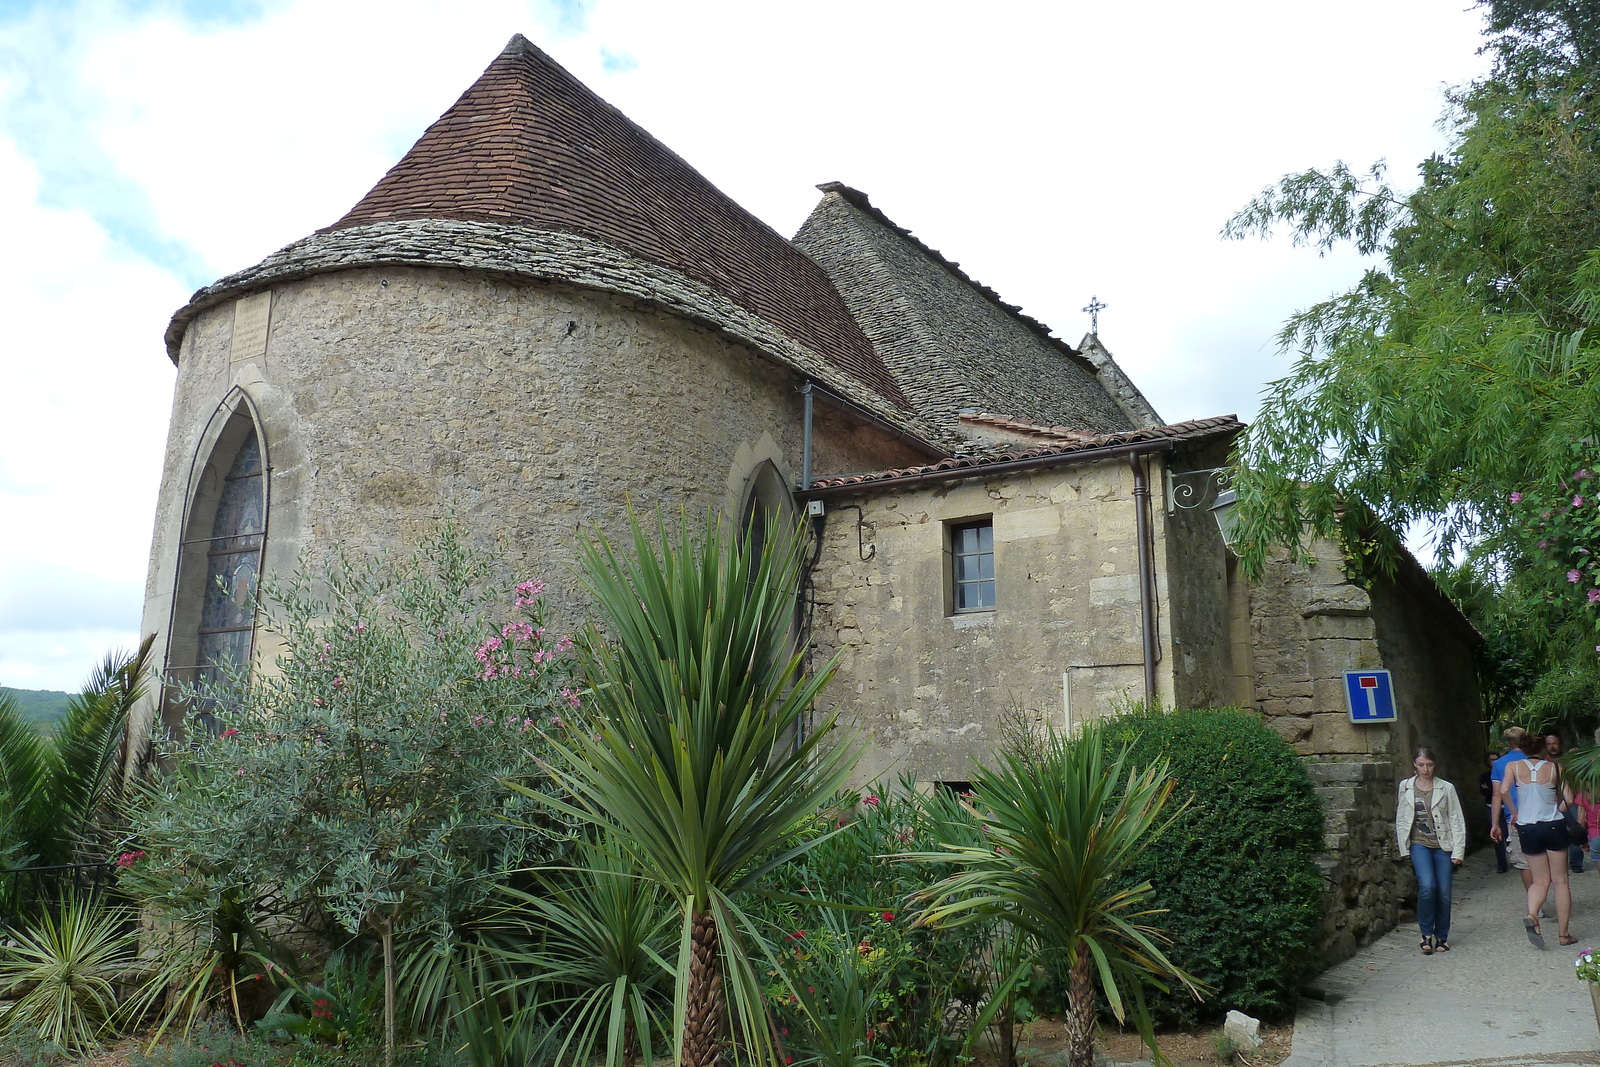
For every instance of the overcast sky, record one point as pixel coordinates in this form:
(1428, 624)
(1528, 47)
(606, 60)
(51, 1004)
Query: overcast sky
(1057, 149)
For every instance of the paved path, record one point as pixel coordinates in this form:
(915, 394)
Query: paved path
(1492, 1001)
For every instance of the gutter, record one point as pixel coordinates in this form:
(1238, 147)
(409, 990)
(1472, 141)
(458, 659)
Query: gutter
(985, 470)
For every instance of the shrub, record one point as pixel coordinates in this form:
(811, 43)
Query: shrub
(882, 986)
(1235, 869)
(383, 772)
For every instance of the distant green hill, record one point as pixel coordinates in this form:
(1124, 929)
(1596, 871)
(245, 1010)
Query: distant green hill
(42, 707)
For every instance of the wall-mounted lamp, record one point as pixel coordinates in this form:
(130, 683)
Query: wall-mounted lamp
(1227, 517)
(1211, 488)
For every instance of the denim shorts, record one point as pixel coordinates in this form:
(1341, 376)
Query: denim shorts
(1538, 837)
(1594, 849)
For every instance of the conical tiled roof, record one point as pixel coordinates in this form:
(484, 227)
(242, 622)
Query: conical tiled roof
(531, 146)
(950, 342)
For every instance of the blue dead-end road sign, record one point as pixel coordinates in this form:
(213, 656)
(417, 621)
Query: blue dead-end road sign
(1369, 695)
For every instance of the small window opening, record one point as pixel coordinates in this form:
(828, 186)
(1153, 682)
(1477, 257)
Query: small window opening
(972, 562)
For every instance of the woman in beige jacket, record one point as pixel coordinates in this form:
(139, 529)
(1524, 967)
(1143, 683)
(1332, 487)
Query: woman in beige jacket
(1429, 827)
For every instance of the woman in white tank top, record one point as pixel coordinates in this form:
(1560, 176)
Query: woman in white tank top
(1540, 800)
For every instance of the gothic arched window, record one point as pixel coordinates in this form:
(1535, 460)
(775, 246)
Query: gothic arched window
(211, 636)
(233, 565)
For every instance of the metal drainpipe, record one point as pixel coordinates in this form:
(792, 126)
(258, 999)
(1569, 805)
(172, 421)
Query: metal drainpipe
(1141, 504)
(805, 445)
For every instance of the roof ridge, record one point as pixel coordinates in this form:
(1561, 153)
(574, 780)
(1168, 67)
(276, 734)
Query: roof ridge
(530, 145)
(860, 200)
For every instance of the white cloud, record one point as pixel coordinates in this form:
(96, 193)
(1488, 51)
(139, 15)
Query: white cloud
(1057, 150)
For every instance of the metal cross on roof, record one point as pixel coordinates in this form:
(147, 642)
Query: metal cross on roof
(1094, 308)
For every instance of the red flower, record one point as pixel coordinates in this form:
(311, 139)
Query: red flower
(128, 859)
(888, 916)
(229, 732)
(798, 935)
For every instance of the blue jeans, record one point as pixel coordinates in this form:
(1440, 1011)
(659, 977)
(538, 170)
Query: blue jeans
(1433, 869)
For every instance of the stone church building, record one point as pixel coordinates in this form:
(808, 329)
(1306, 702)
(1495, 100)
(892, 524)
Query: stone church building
(542, 315)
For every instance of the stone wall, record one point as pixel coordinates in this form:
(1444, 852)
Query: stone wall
(392, 397)
(1309, 624)
(931, 689)
(1367, 885)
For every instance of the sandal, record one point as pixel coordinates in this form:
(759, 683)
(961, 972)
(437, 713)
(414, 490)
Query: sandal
(1426, 945)
(1531, 926)
(1568, 939)
(1441, 946)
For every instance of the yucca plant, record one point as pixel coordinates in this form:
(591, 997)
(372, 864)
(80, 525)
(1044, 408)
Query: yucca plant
(599, 940)
(1061, 828)
(58, 791)
(63, 973)
(690, 758)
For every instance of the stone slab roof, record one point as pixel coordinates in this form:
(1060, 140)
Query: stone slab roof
(543, 255)
(1071, 447)
(531, 147)
(951, 342)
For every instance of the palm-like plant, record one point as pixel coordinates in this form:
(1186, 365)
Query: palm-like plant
(57, 789)
(689, 757)
(1061, 828)
(598, 941)
(61, 975)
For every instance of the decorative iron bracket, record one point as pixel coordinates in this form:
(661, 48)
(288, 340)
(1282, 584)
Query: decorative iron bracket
(1190, 490)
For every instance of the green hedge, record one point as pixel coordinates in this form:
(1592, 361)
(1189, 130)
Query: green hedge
(1235, 869)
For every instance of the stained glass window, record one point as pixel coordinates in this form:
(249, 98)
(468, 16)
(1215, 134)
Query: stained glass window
(233, 564)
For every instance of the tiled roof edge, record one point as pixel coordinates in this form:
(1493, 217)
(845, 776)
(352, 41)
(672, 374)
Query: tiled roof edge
(859, 199)
(1065, 453)
(543, 255)
(1019, 425)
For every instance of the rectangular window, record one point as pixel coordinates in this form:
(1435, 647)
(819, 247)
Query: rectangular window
(972, 565)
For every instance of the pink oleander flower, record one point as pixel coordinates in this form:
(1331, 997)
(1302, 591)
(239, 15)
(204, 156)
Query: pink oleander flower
(563, 643)
(489, 673)
(1574, 575)
(1544, 544)
(229, 732)
(487, 648)
(871, 800)
(128, 859)
(1577, 501)
(1594, 596)
(555, 720)
(477, 720)
(239, 772)
(519, 631)
(1516, 497)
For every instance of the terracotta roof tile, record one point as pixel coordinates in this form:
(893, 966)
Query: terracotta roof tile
(530, 144)
(971, 466)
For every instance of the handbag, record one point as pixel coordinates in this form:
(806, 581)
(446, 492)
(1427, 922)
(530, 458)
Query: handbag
(1577, 833)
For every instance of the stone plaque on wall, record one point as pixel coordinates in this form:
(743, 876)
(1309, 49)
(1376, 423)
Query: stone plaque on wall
(251, 317)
